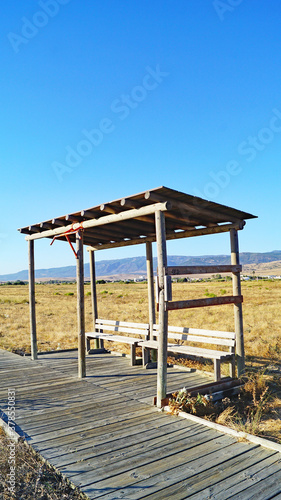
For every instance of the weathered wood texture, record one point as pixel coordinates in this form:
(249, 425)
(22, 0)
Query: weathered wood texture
(163, 313)
(150, 287)
(211, 301)
(238, 314)
(181, 270)
(108, 219)
(137, 331)
(218, 341)
(31, 272)
(102, 437)
(93, 296)
(185, 215)
(170, 235)
(80, 307)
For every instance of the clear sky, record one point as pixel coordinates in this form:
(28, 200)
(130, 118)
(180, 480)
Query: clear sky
(182, 93)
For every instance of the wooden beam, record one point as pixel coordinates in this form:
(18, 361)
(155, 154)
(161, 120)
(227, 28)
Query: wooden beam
(126, 202)
(181, 221)
(80, 306)
(151, 297)
(211, 301)
(46, 225)
(94, 298)
(31, 270)
(89, 214)
(188, 208)
(238, 314)
(107, 219)
(35, 228)
(173, 236)
(163, 313)
(150, 286)
(59, 222)
(73, 218)
(136, 204)
(181, 270)
(109, 209)
(135, 224)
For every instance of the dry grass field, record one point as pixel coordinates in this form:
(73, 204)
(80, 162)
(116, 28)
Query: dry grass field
(56, 313)
(56, 326)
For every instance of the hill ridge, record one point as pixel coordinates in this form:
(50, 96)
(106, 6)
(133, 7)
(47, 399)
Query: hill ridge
(137, 265)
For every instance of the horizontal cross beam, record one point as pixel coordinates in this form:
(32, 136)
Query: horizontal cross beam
(101, 221)
(172, 236)
(211, 301)
(180, 270)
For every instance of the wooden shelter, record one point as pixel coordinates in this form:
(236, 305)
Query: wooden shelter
(152, 216)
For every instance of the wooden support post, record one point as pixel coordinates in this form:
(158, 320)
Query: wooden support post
(94, 297)
(238, 316)
(80, 306)
(151, 297)
(163, 314)
(217, 369)
(31, 269)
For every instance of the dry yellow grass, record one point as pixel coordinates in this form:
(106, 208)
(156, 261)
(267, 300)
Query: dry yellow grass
(56, 313)
(56, 321)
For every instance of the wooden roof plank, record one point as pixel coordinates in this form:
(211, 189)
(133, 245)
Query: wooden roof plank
(108, 219)
(184, 215)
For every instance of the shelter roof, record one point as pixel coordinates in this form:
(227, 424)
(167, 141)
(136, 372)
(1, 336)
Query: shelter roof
(131, 220)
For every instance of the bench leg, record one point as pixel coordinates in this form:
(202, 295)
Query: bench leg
(145, 356)
(101, 344)
(133, 354)
(232, 368)
(217, 369)
(97, 343)
(88, 345)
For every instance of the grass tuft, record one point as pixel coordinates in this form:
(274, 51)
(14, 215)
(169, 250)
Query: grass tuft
(249, 412)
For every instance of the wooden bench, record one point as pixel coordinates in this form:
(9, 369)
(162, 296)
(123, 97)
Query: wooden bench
(137, 331)
(183, 340)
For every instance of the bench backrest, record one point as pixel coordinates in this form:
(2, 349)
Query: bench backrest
(197, 335)
(140, 330)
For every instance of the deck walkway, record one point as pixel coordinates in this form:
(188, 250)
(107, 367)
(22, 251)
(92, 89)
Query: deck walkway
(104, 435)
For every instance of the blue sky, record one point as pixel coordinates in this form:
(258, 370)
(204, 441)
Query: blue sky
(184, 94)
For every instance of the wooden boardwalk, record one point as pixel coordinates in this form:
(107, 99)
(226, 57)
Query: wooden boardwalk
(103, 433)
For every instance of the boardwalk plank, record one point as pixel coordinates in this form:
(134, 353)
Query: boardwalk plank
(265, 487)
(92, 414)
(173, 443)
(65, 431)
(98, 434)
(145, 480)
(122, 443)
(246, 478)
(102, 433)
(216, 480)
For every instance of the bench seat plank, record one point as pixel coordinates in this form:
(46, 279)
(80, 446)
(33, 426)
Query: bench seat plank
(199, 331)
(122, 323)
(122, 329)
(112, 338)
(185, 349)
(140, 337)
(139, 331)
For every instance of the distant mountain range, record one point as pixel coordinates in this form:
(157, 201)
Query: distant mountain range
(137, 265)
